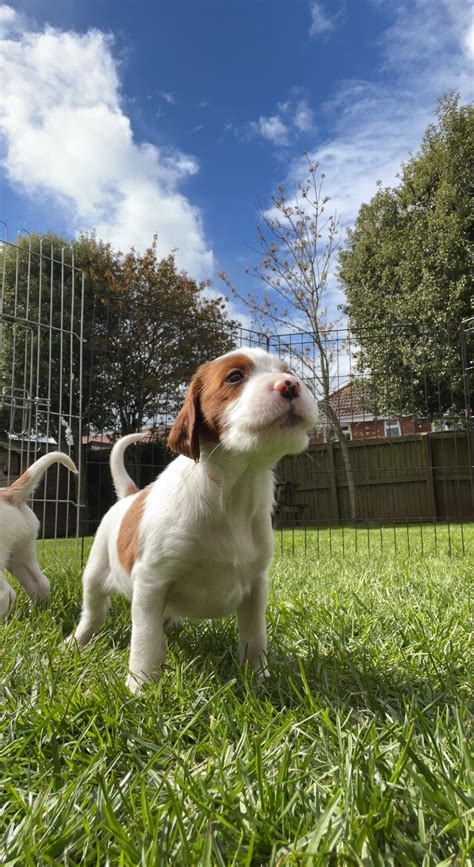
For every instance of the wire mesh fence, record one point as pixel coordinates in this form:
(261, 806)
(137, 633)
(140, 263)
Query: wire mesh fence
(393, 450)
(389, 466)
(41, 319)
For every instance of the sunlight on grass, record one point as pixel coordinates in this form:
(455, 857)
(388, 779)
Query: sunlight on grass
(418, 539)
(356, 750)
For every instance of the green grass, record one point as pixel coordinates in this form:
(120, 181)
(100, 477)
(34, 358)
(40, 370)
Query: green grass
(356, 752)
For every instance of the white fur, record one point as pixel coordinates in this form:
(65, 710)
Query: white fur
(18, 533)
(206, 538)
(123, 484)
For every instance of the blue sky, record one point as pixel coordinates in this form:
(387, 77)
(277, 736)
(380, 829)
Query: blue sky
(175, 117)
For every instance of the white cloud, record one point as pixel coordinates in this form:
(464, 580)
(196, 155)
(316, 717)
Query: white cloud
(9, 20)
(68, 140)
(320, 20)
(377, 125)
(426, 46)
(304, 117)
(168, 97)
(374, 134)
(468, 41)
(271, 128)
(293, 117)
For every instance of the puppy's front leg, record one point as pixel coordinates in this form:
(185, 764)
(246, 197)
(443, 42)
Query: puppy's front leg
(253, 628)
(148, 645)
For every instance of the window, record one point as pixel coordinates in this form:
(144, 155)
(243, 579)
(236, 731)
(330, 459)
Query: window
(392, 427)
(346, 430)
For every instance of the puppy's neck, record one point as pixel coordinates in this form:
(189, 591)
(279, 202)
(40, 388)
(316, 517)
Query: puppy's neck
(235, 463)
(229, 469)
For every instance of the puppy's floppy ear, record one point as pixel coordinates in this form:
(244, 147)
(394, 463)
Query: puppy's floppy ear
(184, 435)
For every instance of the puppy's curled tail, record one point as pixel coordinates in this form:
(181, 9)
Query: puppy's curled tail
(20, 490)
(123, 484)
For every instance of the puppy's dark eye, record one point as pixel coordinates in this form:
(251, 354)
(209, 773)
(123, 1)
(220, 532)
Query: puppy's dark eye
(234, 376)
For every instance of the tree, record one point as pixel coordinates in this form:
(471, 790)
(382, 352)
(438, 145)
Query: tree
(298, 240)
(146, 326)
(407, 270)
(152, 326)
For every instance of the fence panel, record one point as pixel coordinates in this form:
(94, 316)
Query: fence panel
(404, 432)
(424, 479)
(405, 469)
(41, 353)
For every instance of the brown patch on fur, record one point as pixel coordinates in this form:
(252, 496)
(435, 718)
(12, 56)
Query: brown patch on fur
(206, 399)
(184, 435)
(6, 496)
(18, 484)
(128, 537)
(132, 489)
(216, 393)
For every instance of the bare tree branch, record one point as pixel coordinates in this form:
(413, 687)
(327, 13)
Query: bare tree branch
(298, 242)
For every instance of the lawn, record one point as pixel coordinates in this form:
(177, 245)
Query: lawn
(355, 752)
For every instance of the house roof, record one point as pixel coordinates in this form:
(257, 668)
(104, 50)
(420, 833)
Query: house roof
(97, 439)
(348, 403)
(345, 402)
(106, 440)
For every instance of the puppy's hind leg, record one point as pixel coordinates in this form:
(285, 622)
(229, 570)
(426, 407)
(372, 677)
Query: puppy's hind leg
(171, 622)
(26, 568)
(95, 599)
(7, 595)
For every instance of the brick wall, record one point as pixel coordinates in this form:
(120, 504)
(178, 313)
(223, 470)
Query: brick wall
(376, 428)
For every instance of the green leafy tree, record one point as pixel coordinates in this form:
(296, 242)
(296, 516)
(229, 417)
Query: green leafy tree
(146, 326)
(152, 325)
(407, 271)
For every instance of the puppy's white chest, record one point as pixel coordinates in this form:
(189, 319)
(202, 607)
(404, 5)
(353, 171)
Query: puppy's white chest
(210, 589)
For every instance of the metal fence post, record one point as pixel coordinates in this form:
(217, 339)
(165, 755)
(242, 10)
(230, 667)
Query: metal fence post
(466, 330)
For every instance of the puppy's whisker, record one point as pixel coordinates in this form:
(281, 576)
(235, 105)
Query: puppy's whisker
(215, 449)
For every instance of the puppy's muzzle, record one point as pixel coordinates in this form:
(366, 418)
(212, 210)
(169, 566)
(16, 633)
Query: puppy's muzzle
(288, 387)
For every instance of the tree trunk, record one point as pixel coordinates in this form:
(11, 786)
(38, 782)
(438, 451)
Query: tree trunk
(349, 476)
(331, 415)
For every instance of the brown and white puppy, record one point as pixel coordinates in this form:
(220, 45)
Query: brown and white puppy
(19, 530)
(197, 542)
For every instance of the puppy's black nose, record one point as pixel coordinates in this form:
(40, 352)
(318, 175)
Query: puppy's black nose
(289, 388)
(290, 392)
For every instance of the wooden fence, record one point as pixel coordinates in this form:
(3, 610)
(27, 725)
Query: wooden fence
(412, 478)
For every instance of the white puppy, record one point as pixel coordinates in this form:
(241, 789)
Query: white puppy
(197, 542)
(19, 530)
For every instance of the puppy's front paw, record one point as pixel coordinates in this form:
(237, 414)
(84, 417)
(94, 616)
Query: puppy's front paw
(134, 683)
(257, 661)
(262, 674)
(70, 642)
(42, 591)
(40, 602)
